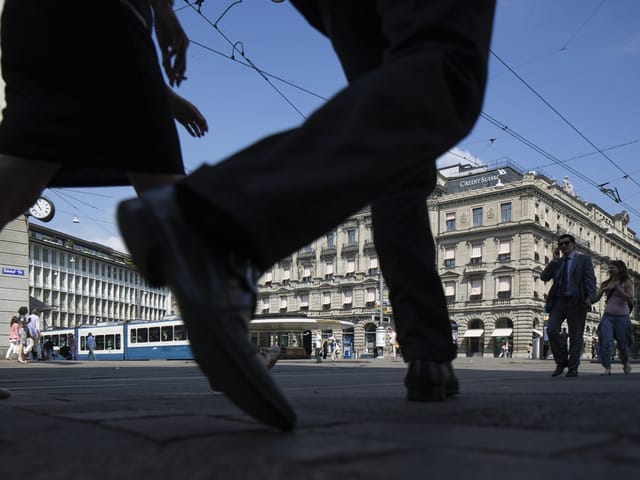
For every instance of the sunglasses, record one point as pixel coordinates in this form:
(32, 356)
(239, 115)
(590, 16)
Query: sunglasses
(562, 244)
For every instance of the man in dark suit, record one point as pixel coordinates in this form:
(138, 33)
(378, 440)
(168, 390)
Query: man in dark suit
(417, 74)
(574, 284)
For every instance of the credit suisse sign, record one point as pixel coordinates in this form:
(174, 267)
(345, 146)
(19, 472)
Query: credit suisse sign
(482, 180)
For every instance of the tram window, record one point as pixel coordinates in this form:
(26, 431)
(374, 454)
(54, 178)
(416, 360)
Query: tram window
(264, 339)
(118, 340)
(167, 334)
(143, 335)
(284, 340)
(110, 342)
(179, 332)
(296, 339)
(133, 336)
(154, 334)
(83, 342)
(99, 342)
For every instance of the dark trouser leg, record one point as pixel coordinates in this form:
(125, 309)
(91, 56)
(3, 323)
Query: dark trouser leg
(407, 256)
(400, 221)
(576, 317)
(557, 343)
(367, 141)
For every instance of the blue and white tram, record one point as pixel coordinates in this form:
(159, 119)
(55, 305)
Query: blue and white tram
(59, 337)
(160, 339)
(109, 341)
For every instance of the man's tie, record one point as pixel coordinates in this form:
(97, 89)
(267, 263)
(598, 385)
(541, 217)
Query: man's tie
(563, 276)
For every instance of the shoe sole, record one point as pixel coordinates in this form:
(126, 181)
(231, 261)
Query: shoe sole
(231, 366)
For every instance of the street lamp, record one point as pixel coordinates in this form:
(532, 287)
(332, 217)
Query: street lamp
(380, 331)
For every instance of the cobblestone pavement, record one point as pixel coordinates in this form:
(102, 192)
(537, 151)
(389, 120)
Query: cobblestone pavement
(120, 420)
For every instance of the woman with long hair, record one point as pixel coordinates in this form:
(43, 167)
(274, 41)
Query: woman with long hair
(616, 321)
(14, 337)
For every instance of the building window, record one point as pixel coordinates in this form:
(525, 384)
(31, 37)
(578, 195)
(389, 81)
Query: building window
(476, 253)
(371, 296)
(347, 298)
(449, 257)
(284, 303)
(328, 270)
(286, 276)
(351, 267)
(373, 266)
(331, 240)
(351, 237)
(476, 289)
(326, 300)
(504, 288)
(504, 251)
(505, 212)
(268, 278)
(477, 217)
(451, 222)
(450, 292)
(304, 301)
(266, 305)
(306, 273)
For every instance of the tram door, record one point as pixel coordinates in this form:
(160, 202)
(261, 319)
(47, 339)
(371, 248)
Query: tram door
(347, 345)
(306, 341)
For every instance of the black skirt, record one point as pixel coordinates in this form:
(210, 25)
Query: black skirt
(84, 89)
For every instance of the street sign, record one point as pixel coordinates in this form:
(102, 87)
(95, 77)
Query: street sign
(13, 271)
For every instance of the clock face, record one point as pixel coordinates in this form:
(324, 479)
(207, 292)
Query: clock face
(43, 209)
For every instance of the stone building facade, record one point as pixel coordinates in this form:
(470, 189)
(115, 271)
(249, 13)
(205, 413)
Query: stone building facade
(84, 283)
(495, 230)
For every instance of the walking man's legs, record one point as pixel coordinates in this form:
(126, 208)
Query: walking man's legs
(369, 142)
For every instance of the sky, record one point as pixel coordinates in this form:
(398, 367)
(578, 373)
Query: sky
(561, 98)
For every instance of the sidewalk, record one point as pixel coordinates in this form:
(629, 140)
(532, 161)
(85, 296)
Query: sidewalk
(121, 420)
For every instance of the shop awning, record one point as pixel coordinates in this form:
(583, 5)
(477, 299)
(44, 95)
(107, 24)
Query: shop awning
(474, 332)
(502, 332)
(537, 332)
(38, 305)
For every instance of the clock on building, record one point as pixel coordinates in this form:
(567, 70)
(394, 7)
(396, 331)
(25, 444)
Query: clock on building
(43, 209)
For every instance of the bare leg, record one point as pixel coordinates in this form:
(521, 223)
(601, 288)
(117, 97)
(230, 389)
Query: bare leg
(21, 182)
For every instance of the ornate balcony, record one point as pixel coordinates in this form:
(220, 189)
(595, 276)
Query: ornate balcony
(349, 248)
(328, 251)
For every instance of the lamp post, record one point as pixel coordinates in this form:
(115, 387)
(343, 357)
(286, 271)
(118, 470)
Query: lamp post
(380, 331)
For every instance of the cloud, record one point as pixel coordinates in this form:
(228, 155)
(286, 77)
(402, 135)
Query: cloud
(456, 156)
(115, 242)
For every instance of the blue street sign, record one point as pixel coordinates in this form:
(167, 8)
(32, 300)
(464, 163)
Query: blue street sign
(12, 271)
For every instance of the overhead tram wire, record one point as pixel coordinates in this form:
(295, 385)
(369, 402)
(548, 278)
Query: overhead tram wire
(555, 160)
(575, 34)
(249, 63)
(601, 152)
(263, 72)
(607, 149)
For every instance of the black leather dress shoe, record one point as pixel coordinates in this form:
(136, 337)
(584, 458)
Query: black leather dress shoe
(428, 381)
(572, 372)
(216, 295)
(559, 369)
